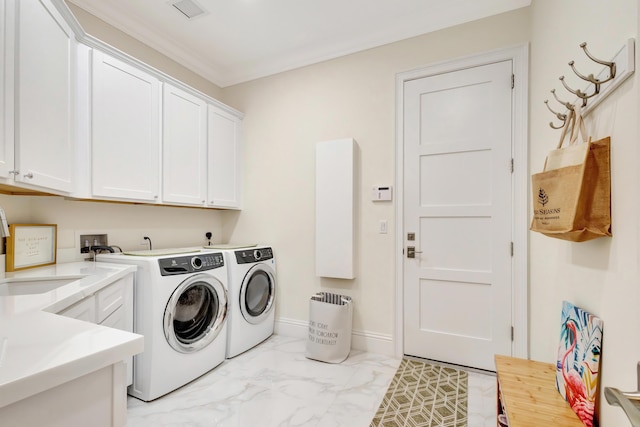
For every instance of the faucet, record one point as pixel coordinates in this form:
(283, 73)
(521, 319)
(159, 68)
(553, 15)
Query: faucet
(95, 250)
(628, 401)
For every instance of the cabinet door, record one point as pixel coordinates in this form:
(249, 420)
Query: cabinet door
(224, 157)
(83, 310)
(44, 97)
(116, 302)
(117, 320)
(7, 20)
(110, 299)
(126, 130)
(184, 143)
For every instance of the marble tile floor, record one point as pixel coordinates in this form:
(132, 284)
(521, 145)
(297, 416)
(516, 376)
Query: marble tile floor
(274, 384)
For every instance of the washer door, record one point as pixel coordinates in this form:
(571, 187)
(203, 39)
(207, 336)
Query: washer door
(258, 293)
(195, 313)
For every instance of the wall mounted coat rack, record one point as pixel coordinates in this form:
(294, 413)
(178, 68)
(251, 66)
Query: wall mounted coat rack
(598, 86)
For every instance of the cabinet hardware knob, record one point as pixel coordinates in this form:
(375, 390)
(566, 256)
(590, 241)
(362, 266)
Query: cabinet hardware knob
(29, 175)
(15, 172)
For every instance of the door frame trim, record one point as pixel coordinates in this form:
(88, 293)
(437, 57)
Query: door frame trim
(519, 55)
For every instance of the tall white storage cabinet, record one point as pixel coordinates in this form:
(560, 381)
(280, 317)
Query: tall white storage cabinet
(224, 159)
(125, 131)
(184, 147)
(7, 19)
(46, 55)
(335, 208)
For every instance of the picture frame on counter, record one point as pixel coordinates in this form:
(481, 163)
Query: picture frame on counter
(31, 246)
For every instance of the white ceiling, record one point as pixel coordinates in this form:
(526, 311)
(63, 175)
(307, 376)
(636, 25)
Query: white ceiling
(240, 40)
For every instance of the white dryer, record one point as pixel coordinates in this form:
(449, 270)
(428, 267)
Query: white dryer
(252, 296)
(180, 306)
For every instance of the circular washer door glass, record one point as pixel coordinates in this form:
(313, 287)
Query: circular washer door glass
(195, 313)
(257, 294)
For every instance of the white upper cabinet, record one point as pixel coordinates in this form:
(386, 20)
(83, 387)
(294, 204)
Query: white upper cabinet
(184, 147)
(84, 120)
(224, 159)
(7, 20)
(125, 131)
(44, 97)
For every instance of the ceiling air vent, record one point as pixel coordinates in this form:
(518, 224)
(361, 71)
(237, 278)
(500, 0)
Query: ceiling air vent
(188, 8)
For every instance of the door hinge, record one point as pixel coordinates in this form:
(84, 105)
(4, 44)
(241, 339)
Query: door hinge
(512, 333)
(512, 165)
(513, 81)
(511, 248)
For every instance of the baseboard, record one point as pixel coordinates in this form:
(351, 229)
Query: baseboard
(360, 340)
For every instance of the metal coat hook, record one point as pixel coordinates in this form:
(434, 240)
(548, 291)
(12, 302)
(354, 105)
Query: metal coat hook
(560, 116)
(610, 64)
(567, 105)
(588, 78)
(615, 71)
(577, 92)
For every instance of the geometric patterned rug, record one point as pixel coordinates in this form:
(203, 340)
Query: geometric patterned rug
(422, 394)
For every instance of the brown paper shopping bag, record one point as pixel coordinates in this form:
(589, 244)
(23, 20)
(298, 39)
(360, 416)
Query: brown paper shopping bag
(572, 196)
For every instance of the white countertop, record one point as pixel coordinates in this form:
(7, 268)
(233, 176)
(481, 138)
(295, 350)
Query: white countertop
(40, 350)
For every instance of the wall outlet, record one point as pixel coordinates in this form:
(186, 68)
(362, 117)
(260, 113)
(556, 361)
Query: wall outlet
(143, 241)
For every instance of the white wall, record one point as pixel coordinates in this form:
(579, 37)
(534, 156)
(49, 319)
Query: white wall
(600, 276)
(354, 96)
(125, 224)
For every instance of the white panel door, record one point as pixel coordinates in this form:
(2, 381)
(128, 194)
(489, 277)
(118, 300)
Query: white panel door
(45, 149)
(125, 149)
(224, 157)
(458, 202)
(184, 147)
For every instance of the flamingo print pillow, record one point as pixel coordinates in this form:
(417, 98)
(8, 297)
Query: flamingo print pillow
(579, 361)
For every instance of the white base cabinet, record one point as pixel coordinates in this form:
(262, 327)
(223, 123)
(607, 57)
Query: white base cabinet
(98, 399)
(83, 310)
(111, 306)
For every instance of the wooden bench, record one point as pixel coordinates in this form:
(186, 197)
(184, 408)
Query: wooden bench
(527, 394)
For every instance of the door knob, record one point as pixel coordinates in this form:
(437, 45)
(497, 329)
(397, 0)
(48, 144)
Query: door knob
(411, 252)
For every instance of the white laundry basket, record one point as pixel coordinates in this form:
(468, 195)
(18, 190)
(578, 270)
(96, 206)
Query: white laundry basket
(330, 320)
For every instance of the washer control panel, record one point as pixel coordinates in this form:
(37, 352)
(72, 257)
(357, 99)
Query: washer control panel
(190, 263)
(250, 255)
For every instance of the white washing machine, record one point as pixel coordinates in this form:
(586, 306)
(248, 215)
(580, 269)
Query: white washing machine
(252, 296)
(181, 308)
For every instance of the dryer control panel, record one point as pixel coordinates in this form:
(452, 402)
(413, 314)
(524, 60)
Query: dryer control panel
(247, 256)
(190, 263)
